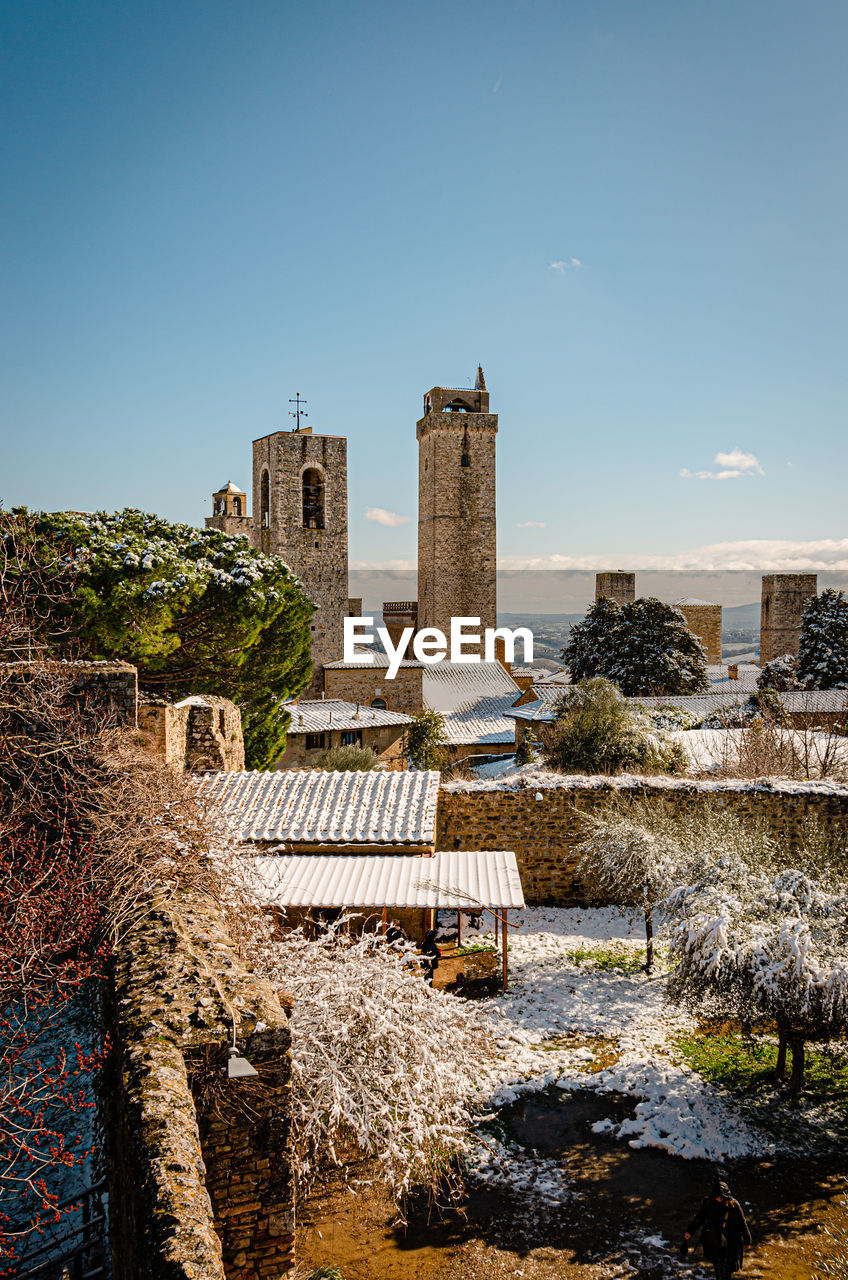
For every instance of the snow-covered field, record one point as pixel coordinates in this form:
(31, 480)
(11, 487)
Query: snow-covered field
(549, 997)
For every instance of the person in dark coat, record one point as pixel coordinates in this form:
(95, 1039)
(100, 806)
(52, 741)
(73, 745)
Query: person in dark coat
(430, 954)
(724, 1231)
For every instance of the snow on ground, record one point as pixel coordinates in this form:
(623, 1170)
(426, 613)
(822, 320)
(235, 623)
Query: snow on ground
(550, 996)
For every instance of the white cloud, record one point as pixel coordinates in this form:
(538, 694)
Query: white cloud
(531, 524)
(758, 556)
(497, 84)
(378, 566)
(733, 464)
(564, 264)
(377, 515)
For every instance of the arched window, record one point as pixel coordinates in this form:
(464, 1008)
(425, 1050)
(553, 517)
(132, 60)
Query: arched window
(379, 703)
(313, 499)
(236, 506)
(265, 500)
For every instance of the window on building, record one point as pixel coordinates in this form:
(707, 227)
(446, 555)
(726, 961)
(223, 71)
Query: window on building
(315, 742)
(352, 738)
(264, 501)
(236, 506)
(313, 499)
(379, 703)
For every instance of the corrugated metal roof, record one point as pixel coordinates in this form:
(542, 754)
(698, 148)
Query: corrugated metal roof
(459, 878)
(474, 698)
(369, 807)
(318, 715)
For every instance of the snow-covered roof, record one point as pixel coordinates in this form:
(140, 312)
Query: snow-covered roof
(368, 807)
(539, 711)
(474, 698)
(554, 677)
(699, 704)
(814, 700)
(695, 601)
(320, 714)
(459, 878)
(719, 677)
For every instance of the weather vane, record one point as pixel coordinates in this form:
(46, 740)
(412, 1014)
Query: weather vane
(297, 412)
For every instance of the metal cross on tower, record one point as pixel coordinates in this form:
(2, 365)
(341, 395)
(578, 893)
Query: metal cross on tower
(297, 412)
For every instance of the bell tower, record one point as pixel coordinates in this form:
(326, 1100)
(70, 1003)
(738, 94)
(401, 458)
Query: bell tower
(457, 572)
(300, 514)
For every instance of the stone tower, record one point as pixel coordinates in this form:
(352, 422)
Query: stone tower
(300, 514)
(457, 574)
(229, 511)
(704, 621)
(618, 586)
(783, 600)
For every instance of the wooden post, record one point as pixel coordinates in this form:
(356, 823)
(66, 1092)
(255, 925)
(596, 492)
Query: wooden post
(505, 947)
(459, 927)
(385, 920)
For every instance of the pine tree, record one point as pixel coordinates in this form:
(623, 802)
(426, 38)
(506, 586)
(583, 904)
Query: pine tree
(644, 647)
(823, 648)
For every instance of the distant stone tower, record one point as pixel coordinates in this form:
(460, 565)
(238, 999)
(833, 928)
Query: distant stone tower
(457, 572)
(704, 621)
(229, 511)
(617, 586)
(783, 600)
(300, 514)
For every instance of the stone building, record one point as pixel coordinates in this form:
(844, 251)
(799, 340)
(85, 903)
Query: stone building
(300, 514)
(456, 507)
(229, 511)
(704, 621)
(327, 723)
(618, 586)
(783, 599)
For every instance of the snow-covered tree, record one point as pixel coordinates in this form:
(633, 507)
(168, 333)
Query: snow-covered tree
(764, 944)
(823, 647)
(645, 647)
(628, 863)
(381, 1062)
(780, 674)
(596, 731)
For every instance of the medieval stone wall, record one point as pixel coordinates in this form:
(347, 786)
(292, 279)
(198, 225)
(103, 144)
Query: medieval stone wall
(784, 596)
(542, 823)
(704, 621)
(199, 1166)
(317, 555)
(457, 572)
(618, 586)
(364, 684)
(201, 732)
(101, 689)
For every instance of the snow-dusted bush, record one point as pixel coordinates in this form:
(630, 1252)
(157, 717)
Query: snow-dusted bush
(597, 731)
(753, 942)
(671, 717)
(780, 674)
(823, 647)
(382, 1064)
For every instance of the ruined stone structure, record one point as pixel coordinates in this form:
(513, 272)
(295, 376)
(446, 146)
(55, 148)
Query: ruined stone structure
(201, 732)
(704, 621)
(618, 586)
(199, 1169)
(456, 507)
(229, 511)
(300, 514)
(783, 599)
(543, 825)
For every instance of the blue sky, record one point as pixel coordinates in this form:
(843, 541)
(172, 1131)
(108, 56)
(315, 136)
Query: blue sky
(632, 214)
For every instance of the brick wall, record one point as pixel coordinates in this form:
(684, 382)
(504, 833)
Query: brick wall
(543, 824)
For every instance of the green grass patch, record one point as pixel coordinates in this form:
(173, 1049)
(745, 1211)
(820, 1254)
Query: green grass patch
(468, 948)
(624, 959)
(744, 1065)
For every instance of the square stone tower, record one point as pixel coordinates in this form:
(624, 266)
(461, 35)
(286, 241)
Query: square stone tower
(616, 585)
(704, 621)
(457, 571)
(300, 514)
(783, 599)
(229, 511)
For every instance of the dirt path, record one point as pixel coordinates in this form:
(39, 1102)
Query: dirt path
(624, 1195)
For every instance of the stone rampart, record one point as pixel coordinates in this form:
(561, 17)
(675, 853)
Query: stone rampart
(200, 1176)
(541, 820)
